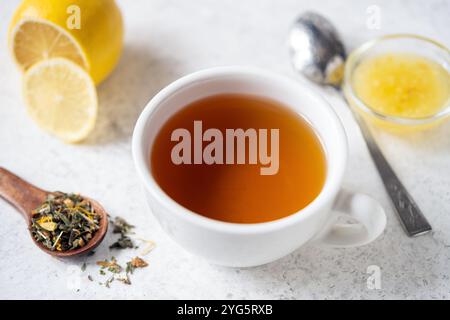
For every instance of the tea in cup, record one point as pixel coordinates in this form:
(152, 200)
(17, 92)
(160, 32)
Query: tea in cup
(242, 167)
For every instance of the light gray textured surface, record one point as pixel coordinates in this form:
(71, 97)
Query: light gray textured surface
(165, 40)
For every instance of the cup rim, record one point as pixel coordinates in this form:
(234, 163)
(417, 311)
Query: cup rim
(356, 55)
(144, 172)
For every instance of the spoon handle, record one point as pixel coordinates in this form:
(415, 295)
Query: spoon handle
(413, 220)
(21, 194)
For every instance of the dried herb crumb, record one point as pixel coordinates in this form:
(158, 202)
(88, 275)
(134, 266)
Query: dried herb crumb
(138, 262)
(120, 225)
(135, 263)
(124, 279)
(109, 281)
(116, 271)
(112, 265)
(122, 243)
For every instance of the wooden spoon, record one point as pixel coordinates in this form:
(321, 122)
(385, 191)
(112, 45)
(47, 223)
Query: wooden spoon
(25, 198)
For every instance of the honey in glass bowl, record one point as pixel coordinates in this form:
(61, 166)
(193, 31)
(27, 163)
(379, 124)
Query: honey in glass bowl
(398, 88)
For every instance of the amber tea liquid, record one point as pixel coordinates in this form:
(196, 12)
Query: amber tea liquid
(239, 193)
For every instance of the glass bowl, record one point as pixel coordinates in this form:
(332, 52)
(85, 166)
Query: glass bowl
(398, 43)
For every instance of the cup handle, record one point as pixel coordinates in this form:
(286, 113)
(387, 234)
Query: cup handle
(357, 220)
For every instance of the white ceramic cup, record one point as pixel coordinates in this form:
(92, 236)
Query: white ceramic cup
(244, 245)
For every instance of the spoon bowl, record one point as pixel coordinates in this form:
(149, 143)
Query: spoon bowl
(316, 49)
(26, 197)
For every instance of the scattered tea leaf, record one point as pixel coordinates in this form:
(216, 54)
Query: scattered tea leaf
(109, 281)
(122, 243)
(136, 262)
(112, 265)
(121, 226)
(124, 278)
(129, 268)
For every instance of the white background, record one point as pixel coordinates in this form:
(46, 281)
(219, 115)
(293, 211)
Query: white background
(163, 41)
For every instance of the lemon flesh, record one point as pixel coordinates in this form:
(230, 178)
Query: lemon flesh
(61, 98)
(36, 40)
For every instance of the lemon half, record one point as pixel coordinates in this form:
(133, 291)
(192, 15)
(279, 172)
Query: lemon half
(35, 40)
(61, 97)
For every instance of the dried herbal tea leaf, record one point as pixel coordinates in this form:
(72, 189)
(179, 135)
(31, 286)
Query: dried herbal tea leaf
(122, 243)
(83, 267)
(121, 226)
(115, 269)
(49, 226)
(136, 262)
(65, 221)
(109, 281)
(105, 263)
(112, 265)
(129, 268)
(124, 278)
